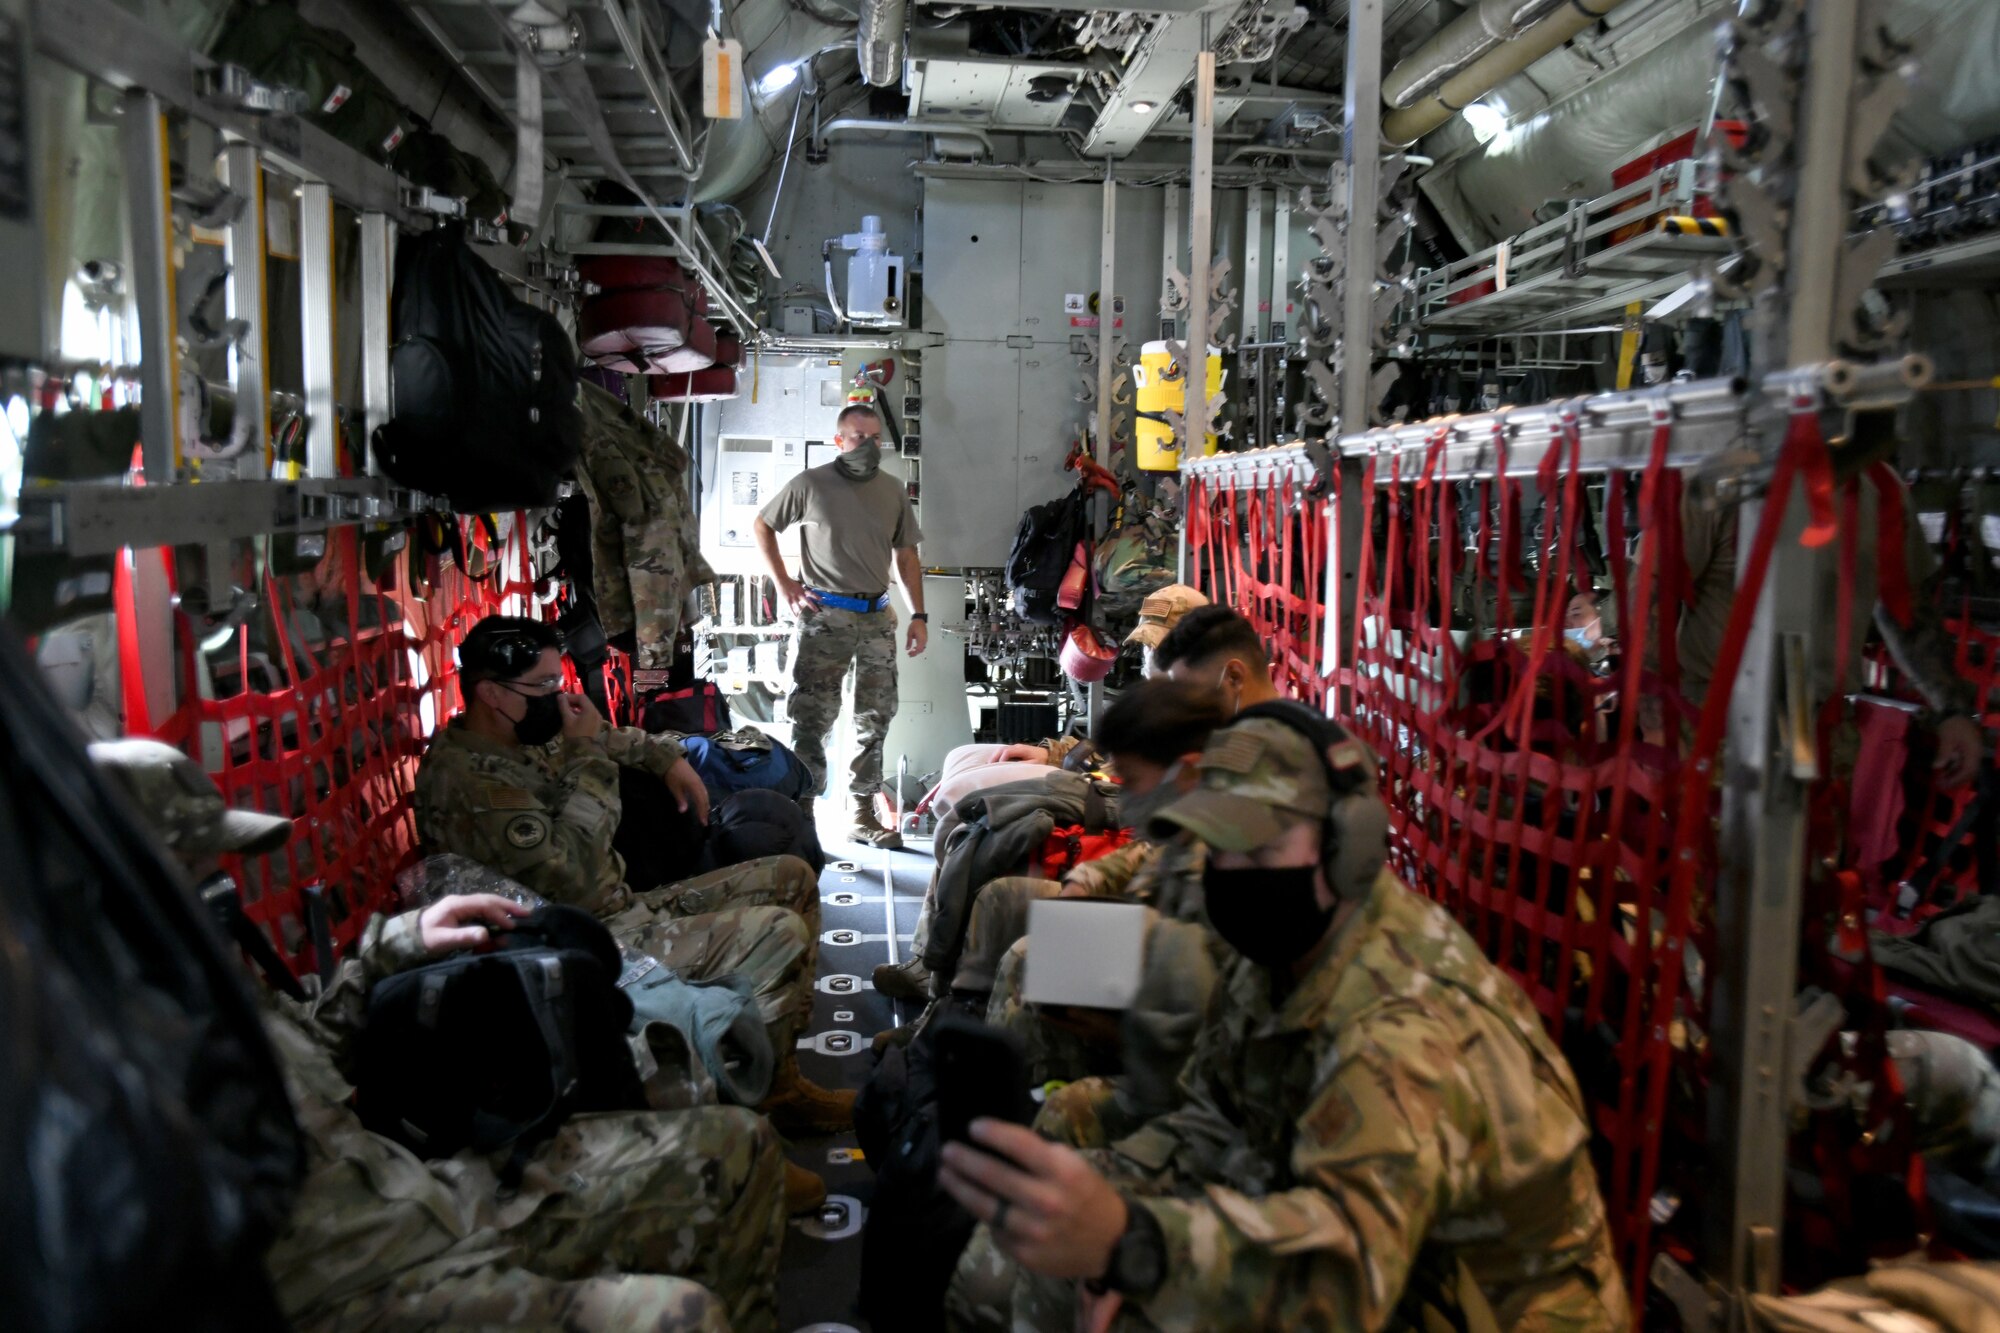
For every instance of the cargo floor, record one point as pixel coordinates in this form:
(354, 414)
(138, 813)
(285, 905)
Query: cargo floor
(861, 892)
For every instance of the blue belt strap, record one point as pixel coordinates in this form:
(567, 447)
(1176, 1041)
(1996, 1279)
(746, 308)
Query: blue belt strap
(840, 603)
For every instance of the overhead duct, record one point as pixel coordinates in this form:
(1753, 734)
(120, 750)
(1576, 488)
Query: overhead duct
(1458, 43)
(1489, 71)
(773, 36)
(1567, 130)
(879, 40)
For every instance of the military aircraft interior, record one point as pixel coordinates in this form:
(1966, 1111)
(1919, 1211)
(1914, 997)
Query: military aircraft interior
(637, 697)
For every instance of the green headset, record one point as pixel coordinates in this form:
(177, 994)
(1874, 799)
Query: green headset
(1354, 841)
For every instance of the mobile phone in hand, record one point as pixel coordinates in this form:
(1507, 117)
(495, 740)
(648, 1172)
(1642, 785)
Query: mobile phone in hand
(981, 1071)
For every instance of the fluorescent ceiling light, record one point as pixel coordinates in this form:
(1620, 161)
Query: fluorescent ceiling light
(777, 80)
(1142, 108)
(1484, 121)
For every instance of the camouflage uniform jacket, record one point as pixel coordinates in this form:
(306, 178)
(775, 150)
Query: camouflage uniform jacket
(1165, 876)
(1402, 1102)
(645, 550)
(1058, 748)
(541, 815)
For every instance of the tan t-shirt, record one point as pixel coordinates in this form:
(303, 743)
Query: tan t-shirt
(852, 527)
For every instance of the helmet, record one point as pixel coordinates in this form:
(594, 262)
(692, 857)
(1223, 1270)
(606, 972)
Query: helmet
(1085, 657)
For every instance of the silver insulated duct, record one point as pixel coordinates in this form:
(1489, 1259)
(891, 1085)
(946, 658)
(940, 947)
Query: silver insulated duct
(879, 40)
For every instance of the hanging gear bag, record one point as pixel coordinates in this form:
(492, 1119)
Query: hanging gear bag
(485, 409)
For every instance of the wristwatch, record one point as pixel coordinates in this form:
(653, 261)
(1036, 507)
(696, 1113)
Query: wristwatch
(924, 616)
(1139, 1259)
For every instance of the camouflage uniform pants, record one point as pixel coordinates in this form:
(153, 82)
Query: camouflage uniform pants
(998, 922)
(827, 644)
(654, 1221)
(776, 947)
(1054, 1056)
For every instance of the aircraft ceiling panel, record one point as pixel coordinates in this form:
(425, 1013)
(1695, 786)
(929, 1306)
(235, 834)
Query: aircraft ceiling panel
(986, 92)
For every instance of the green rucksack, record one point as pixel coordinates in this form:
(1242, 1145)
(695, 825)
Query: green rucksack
(342, 96)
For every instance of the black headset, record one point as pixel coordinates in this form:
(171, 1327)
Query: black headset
(509, 650)
(1354, 840)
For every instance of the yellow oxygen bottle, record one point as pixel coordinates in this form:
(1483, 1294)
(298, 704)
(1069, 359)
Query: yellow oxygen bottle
(1159, 387)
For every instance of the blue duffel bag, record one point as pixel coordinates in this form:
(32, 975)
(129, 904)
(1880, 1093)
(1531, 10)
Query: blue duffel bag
(732, 761)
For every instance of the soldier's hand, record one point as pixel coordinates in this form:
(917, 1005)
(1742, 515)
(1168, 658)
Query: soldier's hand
(918, 638)
(798, 596)
(1024, 754)
(1060, 1217)
(466, 920)
(687, 787)
(1961, 745)
(581, 720)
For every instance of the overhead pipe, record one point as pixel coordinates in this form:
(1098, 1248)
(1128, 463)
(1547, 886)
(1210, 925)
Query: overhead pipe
(879, 41)
(940, 129)
(1458, 44)
(1409, 124)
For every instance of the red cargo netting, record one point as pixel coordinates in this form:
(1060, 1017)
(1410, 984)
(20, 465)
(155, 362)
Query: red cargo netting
(1524, 793)
(1262, 549)
(330, 732)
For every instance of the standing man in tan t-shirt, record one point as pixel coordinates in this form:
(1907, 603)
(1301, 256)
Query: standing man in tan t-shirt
(859, 527)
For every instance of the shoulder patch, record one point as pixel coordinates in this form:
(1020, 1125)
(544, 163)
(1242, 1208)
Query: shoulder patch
(504, 796)
(1233, 752)
(1346, 755)
(526, 831)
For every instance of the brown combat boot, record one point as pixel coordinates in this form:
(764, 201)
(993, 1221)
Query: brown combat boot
(907, 980)
(870, 832)
(804, 1191)
(801, 1108)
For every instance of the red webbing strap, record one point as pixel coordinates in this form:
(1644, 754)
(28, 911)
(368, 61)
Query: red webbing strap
(1802, 446)
(1239, 520)
(131, 668)
(1816, 470)
(1364, 581)
(1653, 513)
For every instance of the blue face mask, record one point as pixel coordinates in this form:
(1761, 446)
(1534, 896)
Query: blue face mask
(1582, 638)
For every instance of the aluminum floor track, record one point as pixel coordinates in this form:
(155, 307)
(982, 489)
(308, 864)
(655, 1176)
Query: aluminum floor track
(862, 892)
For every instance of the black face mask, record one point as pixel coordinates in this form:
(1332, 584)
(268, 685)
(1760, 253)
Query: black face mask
(541, 721)
(1272, 917)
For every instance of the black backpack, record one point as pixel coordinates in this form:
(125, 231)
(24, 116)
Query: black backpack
(1044, 544)
(485, 406)
(491, 1050)
(915, 1232)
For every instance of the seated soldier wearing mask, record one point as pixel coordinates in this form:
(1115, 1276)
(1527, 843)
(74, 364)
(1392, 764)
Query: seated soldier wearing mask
(1158, 615)
(526, 782)
(1154, 733)
(1375, 1120)
(972, 768)
(635, 1219)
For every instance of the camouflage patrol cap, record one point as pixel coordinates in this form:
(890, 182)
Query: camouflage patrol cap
(1162, 611)
(1258, 778)
(181, 802)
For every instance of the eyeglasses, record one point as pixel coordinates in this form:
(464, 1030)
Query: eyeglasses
(524, 688)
